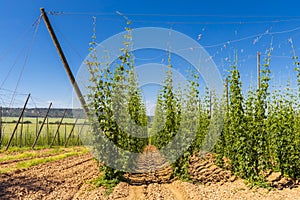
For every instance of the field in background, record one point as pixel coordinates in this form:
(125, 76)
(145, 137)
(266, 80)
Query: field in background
(67, 135)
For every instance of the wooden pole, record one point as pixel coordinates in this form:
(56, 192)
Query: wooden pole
(37, 137)
(79, 132)
(67, 140)
(64, 61)
(57, 131)
(21, 131)
(16, 127)
(47, 130)
(258, 70)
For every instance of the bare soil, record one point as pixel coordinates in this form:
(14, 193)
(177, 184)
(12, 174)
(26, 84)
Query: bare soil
(151, 167)
(54, 180)
(69, 179)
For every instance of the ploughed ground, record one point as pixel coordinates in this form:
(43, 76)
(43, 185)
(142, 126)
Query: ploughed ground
(70, 178)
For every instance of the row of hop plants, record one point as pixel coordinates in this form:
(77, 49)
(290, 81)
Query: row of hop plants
(116, 109)
(260, 132)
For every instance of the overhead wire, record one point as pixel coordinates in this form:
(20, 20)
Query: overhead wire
(12, 91)
(169, 15)
(214, 23)
(12, 67)
(252, 37)
(64, 38)
(295, 18)
(277, 19)
(208, 15)
(18, 56)
(36, 25)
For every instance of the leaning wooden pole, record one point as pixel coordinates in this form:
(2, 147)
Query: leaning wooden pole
(57, 130)
(41, 128)
(72, 130)
(64, 61)
(21, 132)
(18, 122)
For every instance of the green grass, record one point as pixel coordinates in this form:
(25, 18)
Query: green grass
(37, 161)
(8, 156)
(15, 149)
(109, 185)
(33, 160)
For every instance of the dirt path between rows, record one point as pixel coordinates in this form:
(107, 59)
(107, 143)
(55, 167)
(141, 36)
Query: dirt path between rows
(68, 179)
(177, 191)
(136, 193)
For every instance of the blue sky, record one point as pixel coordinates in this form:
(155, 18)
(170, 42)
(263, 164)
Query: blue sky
(221, 27)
